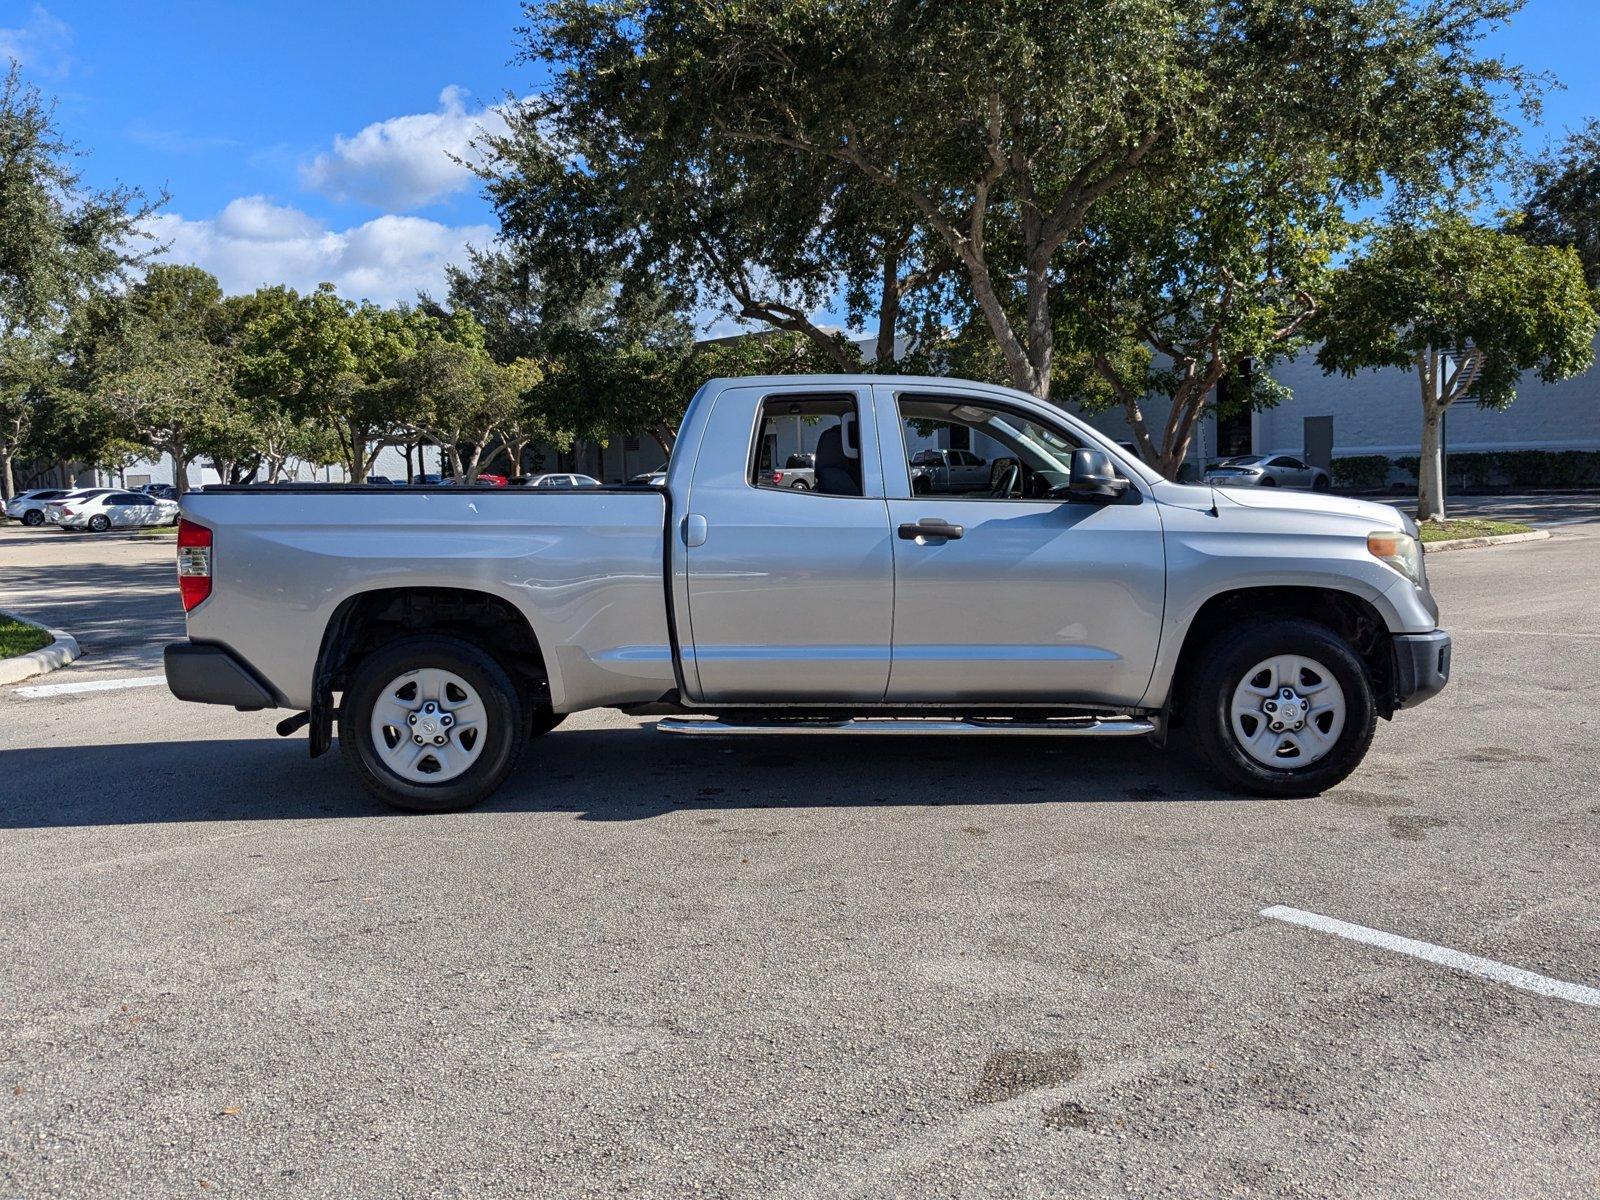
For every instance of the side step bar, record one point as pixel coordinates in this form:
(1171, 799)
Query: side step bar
(914, 726)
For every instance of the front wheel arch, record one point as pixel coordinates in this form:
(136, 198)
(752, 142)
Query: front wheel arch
(1353, 617)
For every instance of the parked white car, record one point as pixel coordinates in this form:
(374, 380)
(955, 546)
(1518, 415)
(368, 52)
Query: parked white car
(1268, 470)
(28, 507)
(111, 510)
(560, 480)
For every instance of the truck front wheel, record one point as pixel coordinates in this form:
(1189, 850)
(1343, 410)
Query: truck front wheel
(1281, 708)
(431, 724)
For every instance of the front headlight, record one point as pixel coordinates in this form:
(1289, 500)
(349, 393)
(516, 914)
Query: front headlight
(1401, 551)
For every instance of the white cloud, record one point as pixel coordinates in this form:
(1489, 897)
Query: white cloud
(253, 242)
(39, 43)
(404, 162)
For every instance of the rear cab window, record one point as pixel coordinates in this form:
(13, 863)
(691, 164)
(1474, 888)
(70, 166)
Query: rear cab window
(820, 432)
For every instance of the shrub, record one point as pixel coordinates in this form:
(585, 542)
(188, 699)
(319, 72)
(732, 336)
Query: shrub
(1514, 469)
(1361, 471)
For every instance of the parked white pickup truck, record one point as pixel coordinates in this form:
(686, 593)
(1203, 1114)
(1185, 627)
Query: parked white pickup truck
(1075, 594)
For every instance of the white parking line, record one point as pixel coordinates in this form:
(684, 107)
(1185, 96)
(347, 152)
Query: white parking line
(1443, 956)
(91, 685)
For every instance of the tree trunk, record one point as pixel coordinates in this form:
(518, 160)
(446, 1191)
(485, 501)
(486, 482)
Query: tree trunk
(358, 454)
(1430, 472)
(8, 480)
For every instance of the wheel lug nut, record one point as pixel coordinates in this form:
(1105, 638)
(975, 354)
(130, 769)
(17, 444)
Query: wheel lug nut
(439, 741)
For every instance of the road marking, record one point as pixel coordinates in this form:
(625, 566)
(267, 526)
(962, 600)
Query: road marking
(1443, 956)
(92, 685)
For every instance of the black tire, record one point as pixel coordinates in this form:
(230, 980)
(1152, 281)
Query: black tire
(1320, 483)
(99, 523)
(505, 736)
(1209, 695)
(33, 518)
(800, 485)
(1268, 481)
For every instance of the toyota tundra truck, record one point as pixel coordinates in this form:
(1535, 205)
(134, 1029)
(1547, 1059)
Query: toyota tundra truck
(1075, 593)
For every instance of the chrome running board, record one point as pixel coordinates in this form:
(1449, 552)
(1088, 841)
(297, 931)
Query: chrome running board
(913, 726)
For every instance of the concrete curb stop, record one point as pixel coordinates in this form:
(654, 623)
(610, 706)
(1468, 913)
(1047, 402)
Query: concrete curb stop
(57, 654)
(1472, 543)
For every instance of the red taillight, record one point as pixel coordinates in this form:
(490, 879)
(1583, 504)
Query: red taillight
(194, 562)
(66, 512)
(777, 477)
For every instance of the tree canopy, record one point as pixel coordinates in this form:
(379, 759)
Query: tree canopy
(61, 243)
(1469, 309)
(1562, 207)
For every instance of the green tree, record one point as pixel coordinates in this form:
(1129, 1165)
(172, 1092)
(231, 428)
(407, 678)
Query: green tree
(1562, 207)
(61, 242)
(604, 176)
(455, 395)
(337, 364)
(157, 357)
(1185, 280)
(999, 130)
(1469, 309)
(278, 436)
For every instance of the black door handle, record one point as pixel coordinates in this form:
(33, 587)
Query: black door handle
(930, 527)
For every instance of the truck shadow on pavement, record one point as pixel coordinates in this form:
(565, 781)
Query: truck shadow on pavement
(627, 774)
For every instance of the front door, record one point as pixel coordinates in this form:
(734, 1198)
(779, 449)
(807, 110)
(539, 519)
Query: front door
(1011, 595)
(791, 592)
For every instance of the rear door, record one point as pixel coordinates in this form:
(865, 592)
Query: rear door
(790, 592)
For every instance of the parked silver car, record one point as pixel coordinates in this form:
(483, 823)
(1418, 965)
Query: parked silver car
(1268, 470)
(948, 471)
(105, 510)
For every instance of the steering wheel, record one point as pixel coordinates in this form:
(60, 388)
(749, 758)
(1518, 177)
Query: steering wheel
(1007, 480)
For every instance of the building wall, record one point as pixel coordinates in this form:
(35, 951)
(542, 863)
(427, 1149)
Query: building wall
(1380, 412)
(391, 462)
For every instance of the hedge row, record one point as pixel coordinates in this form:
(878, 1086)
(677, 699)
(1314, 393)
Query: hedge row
(1508, 468)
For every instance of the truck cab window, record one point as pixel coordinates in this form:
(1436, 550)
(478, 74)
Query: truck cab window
(807, 444)
(1008, 456)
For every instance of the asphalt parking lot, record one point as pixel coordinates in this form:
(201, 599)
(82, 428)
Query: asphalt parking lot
(763, 968)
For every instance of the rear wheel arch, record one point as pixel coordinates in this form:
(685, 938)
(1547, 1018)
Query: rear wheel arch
(365, 622)
(1352, 617)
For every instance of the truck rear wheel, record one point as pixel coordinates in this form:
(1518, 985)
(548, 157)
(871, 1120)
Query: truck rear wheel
(431, 724)
(1281, 708)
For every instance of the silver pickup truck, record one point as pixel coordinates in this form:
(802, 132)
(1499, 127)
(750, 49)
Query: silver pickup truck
(1076, 593)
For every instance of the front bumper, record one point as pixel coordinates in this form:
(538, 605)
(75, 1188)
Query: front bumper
(1421, 666)
(209, 674)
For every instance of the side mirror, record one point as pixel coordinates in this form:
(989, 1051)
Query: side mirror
(1093, 475)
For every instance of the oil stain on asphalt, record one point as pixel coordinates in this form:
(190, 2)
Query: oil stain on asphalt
(1010, 1073)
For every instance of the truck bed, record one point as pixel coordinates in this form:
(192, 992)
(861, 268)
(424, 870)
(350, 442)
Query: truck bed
(586, 568)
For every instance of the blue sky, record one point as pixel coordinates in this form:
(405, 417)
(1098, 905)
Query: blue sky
(307, 141)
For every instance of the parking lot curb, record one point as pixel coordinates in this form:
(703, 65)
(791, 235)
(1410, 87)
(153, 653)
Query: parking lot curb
(57, 654)
(1472, 543)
